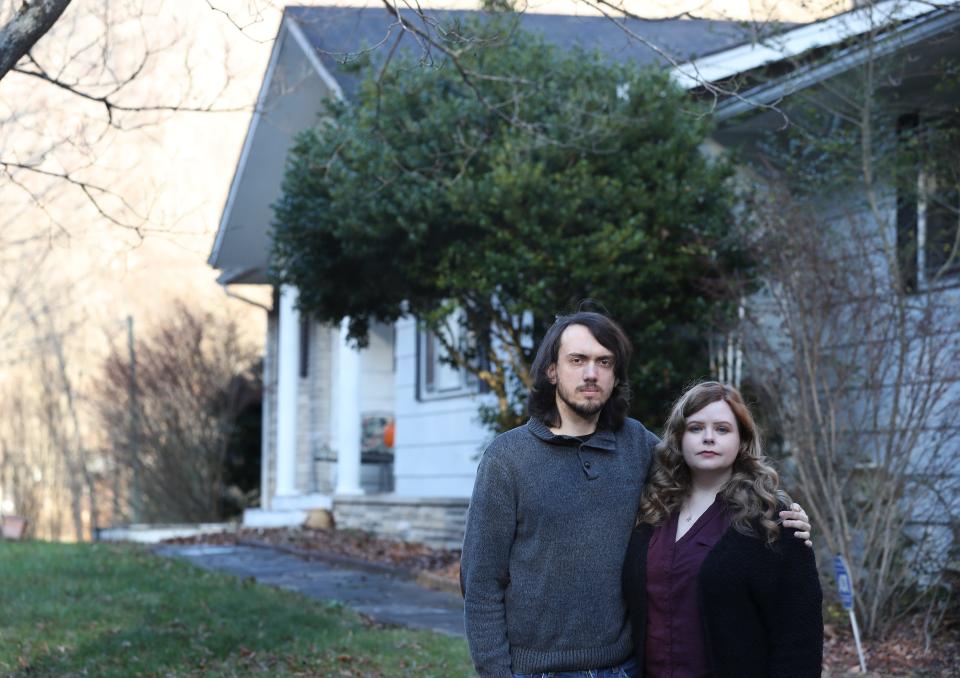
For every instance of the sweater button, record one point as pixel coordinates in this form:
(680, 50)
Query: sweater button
(586, 464)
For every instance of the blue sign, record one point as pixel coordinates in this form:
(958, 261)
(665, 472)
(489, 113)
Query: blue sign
(844, 584)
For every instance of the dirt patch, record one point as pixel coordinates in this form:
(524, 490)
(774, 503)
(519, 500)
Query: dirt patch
(903, 654)
(444, 563)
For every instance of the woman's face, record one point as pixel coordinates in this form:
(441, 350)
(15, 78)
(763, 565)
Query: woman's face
(711, 439)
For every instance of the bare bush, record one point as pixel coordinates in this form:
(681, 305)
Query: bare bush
(170, 413)
(862, 375)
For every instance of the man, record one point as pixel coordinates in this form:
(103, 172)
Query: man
(551, 514)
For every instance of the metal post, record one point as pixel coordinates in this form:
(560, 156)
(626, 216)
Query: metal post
(845, 589)
(136, 499)
(856, 637)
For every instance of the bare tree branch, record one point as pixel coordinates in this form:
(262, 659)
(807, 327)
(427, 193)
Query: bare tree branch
(93, 192)
(112, 106)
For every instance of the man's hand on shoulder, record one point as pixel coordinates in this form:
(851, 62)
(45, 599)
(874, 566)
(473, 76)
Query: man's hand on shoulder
(797, 518)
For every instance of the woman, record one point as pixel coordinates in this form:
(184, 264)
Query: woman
(715, 586)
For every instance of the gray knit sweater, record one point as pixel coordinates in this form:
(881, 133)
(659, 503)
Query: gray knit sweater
(547, 532)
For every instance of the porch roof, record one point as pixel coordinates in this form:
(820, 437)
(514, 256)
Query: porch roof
(754, 75)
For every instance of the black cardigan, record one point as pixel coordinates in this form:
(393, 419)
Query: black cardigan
(760, 606)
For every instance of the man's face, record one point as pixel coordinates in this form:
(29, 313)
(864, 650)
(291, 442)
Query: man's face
(583, 373)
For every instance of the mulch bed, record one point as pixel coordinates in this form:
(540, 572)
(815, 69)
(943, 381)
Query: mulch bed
(902, 655)
(444, 563)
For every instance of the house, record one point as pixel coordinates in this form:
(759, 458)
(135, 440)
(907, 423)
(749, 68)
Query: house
(386, 437)
(327, 405)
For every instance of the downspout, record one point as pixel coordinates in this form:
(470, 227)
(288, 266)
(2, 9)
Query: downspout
(240, 297)
(265, 406)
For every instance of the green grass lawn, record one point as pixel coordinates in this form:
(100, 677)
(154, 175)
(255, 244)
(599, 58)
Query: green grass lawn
(111, 610)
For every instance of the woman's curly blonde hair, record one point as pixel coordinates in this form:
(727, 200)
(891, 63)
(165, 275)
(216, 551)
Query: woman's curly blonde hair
(752, 494)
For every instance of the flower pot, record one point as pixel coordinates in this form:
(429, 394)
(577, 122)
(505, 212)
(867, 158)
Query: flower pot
(14, 527)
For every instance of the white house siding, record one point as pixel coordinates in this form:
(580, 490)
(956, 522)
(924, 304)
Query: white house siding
(937, 498)
(438, 441)
(931, 503)
(942, 429)
(376, 372)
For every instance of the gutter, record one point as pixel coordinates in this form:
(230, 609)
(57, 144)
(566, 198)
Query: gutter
(851, 58)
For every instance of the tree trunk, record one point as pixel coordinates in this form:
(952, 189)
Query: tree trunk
(30, 23)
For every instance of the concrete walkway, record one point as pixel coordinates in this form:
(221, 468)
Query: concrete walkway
(386, 599)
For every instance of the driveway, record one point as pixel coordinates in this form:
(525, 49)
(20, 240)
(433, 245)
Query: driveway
(384, 598)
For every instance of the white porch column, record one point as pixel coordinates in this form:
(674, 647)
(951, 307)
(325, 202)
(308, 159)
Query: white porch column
(348, 416)
(288, 377)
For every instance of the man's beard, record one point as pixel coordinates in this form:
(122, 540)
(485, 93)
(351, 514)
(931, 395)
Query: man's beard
(584, 410)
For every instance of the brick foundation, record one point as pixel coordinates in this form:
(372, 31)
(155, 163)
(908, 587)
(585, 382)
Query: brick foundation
(436, 522)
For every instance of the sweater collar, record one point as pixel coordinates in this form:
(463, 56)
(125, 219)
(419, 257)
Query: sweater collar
(602, 439)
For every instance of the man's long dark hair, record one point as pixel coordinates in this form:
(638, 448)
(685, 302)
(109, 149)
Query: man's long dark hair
(543, 395)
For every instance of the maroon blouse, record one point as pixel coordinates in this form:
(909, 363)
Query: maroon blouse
(675, 646)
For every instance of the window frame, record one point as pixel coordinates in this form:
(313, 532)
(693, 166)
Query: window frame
(913, 211)
(951, 274)
(429, 364)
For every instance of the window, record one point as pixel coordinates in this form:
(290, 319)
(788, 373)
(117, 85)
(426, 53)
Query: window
(304, 346)
(438, 378)
(928, 201)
